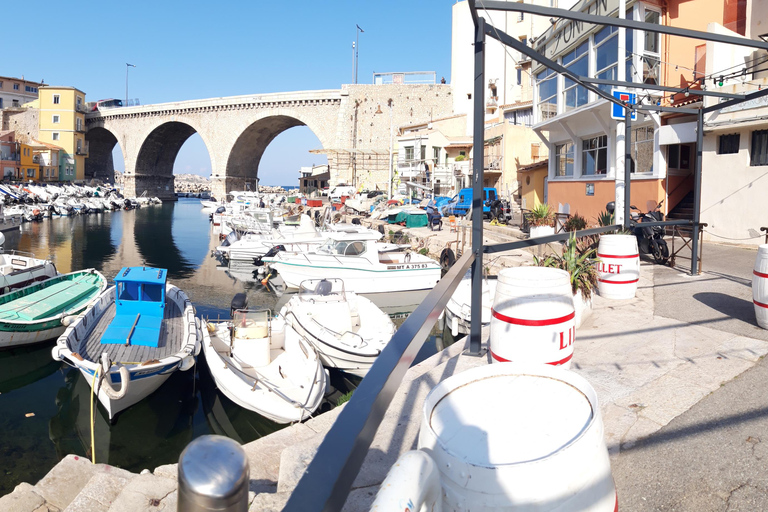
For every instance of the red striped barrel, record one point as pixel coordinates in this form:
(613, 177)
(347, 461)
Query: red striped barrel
(532, 320)
(760, 286)
(618, 269)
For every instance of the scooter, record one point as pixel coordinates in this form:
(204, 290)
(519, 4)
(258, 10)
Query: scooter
(650, 240)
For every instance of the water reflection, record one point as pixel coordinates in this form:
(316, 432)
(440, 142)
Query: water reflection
(175, 236)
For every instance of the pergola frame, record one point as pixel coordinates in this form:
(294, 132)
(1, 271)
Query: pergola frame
(483, 29)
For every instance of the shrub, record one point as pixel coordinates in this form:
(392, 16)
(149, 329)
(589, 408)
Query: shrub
(542, 215)
(424, 251)
(575, 223)
(581, 267)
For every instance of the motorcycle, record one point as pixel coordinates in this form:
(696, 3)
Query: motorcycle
(650, 240)
(501, 211)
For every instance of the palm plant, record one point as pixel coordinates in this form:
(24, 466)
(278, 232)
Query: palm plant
(579, 265)
(542, 215)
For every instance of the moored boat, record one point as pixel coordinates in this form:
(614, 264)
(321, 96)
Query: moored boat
(134, 337)
(42, 310)
(347, 330)
(364, 265)
(263, 365)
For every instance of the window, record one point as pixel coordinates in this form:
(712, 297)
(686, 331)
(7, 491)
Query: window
(759, 148)
(79, 124)
(30, 173)
(15, 87)
(423, 152)
(79, 101)
(729, 144)
(546, 82)
(564, 159)
(435, 155)
(519, 76)
(576, 61)
(55, 119)
(606, 55)
(642, 149)
(651, 49)
(679, 156)
(594, 155)
(30, 89)
(409, 153)
(55, 135)
(56, 99)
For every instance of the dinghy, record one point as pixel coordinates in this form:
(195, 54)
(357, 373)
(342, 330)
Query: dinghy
(263, 365)
(42, 310)
(347, 330)
(18, 271)
(135, 336)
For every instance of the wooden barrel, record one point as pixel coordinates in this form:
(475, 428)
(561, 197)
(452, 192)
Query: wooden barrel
(760, 286)
(540, 448)
(532, 320)
(619, 267)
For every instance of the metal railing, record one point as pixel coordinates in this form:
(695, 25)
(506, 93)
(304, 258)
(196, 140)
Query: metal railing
(329, 477)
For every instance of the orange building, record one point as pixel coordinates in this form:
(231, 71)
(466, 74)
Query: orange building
(586, 146)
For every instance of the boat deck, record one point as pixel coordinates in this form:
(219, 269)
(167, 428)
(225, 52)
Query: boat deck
(52, 300)
(170, 342)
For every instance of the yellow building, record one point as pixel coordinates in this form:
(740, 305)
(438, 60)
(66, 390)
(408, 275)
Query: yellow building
(533, 184)
(29, 170)
(47, 157)
(62, 123)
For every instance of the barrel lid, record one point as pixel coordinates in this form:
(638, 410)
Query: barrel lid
(540, 276)
(509, 419)
(214, 467)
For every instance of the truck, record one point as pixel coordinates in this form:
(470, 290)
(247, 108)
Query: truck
(461, 203)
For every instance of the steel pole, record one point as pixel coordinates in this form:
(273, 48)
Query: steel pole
(391, 150)
(126, 84)
(697, 194)
(627, 164)
(478, 134)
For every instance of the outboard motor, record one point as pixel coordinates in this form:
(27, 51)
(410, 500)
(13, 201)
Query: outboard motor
(239, 301)
(274, 250)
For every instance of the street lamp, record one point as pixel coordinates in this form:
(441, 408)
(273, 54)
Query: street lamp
(357, 47)
(126, 81)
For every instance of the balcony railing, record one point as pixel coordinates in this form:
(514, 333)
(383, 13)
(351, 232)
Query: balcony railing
(82, 107)
(11, 157)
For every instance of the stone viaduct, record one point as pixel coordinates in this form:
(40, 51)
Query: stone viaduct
(354, 125)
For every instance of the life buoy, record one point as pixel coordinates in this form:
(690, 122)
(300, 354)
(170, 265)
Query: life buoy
(447, 258)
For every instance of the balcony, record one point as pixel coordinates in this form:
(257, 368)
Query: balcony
(80, 129)
(411, 169)
(82, 150)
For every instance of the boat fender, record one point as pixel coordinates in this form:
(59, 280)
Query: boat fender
(68, 320)
(7, 289)
(106, 385)
(55, 352)
(187, 363)
(447, 258)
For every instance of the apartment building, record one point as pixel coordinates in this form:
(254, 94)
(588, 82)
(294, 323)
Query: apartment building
(15, 92)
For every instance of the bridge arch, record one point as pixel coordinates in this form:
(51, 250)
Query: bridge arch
(101, 142)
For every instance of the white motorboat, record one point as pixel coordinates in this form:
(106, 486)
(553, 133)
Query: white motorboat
(358, 259)
(18, 271)
(263, 365)
(347, 330)
(134, 337)
(458, 311)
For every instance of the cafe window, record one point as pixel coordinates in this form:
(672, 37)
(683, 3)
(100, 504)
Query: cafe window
(728, 144)
(606, 55)
(651, 57)
(546, 81)
(759, 154)
(641, 149)
(679, 156)
(594, 157)
(564, 157)
(577, 62)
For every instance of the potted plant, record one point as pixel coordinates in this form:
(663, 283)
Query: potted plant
(583, 272)
(542, 220)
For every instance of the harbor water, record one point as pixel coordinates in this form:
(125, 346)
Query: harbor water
(44, 404)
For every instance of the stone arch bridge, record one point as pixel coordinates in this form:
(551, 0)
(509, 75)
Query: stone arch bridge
(353, 125)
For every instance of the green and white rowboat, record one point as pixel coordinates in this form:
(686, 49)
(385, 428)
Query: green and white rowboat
(43, 310)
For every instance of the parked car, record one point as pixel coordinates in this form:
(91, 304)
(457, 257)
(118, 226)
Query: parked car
(461, 203)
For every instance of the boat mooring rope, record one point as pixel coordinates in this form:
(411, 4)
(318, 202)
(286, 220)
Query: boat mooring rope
(93, 437)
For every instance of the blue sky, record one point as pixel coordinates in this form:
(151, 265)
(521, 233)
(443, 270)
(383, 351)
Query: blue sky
(193, 49)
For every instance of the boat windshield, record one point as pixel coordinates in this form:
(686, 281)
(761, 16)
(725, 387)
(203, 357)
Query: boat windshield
(326, 290)
(342, 247)
(251, 324)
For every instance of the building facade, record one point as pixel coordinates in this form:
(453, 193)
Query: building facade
(62, 124)
(10, 155)
(15, 92)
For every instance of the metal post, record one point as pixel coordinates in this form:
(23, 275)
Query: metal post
(478, 134)
(697, 194)
(126, 81)
(357, 47)
(391, 149)
(627, 163)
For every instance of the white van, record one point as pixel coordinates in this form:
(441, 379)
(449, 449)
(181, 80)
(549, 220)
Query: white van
(341, 190)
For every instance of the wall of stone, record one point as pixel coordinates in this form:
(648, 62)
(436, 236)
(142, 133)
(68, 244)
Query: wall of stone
(155, 186)
(24, 121)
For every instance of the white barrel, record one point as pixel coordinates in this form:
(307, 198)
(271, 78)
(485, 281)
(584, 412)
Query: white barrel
(760, 286)
(619, 267)
(540, 448)
(532, 320)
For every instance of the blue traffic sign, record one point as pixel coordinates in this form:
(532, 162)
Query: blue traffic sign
(617, 111)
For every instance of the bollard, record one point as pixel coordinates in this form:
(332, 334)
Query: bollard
(213, 475)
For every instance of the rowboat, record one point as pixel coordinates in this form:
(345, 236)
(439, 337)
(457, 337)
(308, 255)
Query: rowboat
(358, 259)
(134, 337)
(263, 365)
(347, 330)
(42, 310)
